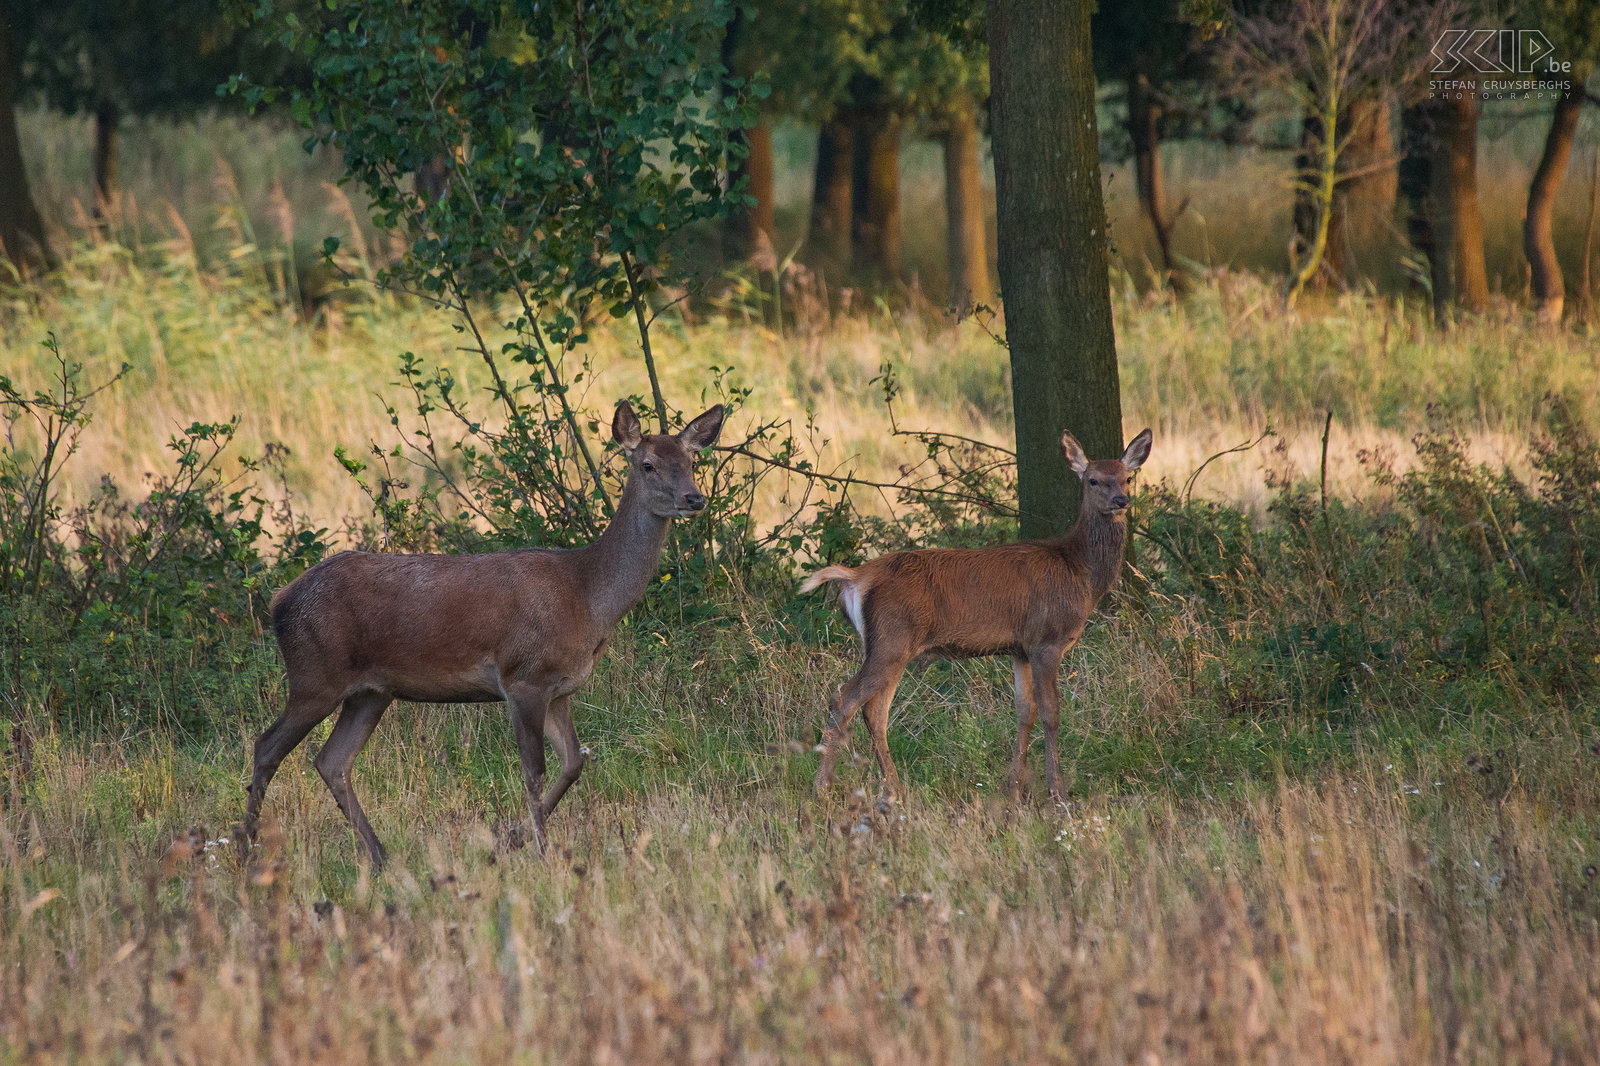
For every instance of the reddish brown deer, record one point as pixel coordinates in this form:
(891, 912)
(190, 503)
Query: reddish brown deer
(362, 630)
(1029, 600)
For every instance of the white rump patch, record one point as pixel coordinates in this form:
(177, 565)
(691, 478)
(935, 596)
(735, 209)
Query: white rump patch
(850, 600)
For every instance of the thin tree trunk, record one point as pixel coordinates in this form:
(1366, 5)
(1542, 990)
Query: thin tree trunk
(1311, 160)
(963, 197)
(107, 117)
(743, 226)
(1054, 259)
(1549, 289)
(831, 192)
(1317, 177)
(1144, 128)
(22, 239)
(875, 222)
(1459, 229)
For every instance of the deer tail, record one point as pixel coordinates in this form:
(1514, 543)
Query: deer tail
(851, 596)
(826, 574)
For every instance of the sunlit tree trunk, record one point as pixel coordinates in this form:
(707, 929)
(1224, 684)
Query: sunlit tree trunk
(1054, 258)
(755, 168)
(1144, 129)
(1365, 197)
(1458, 228)
(1549, 288)
(963, 186)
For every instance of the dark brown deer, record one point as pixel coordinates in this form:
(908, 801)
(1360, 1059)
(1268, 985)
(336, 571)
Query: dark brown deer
(360, 630)
(1029, 600)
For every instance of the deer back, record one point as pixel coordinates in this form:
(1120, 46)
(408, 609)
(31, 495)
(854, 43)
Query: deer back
(440, 627)
(976, 601)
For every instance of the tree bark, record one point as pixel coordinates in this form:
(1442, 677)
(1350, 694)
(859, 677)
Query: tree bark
(963, 197)
(831, 192)
(1415, 185)
(1144, 129)
(1368, 190)
(1458, 231)
(1364, 188)
(22, 238)
(1549, 288)
(742, 226)
(107, 117)
(1314, 167)
(875, 221)
(1054, 259)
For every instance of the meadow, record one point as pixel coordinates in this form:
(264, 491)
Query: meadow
(1331, 757)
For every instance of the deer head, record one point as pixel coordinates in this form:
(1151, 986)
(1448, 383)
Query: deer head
(664, 462)
(1105, 481)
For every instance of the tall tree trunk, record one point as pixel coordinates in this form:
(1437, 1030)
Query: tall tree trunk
(107, 117)
(740, 238)
(963, 198)
(1419, 136)
(831, 192)
(1054, 259)
(22, 239)
(1144, 129)
(1367, 193)
(875, 222)
(1458, 229)
(1549, 289)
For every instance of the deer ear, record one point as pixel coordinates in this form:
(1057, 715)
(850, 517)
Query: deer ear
(1074, 454)
(625, 427)
(1137, 452)
(703, 431)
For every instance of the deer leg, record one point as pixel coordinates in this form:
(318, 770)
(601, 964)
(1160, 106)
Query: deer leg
(878, 723)
(1027, 711)
(350, 734)
(1047, 695)
(528, 707)
(564, 738)
(841, 711)
(303, 712)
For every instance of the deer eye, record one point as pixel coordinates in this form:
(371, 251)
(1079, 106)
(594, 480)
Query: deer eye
(1092, 481)
(648, 465)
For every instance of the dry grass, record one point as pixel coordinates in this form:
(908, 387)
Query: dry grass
(1428, 902)
(222, 216)
(209, 344)
(1374, 916)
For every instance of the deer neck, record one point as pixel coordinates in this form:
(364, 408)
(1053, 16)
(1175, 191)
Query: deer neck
(625, 558)
(1098, 541)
